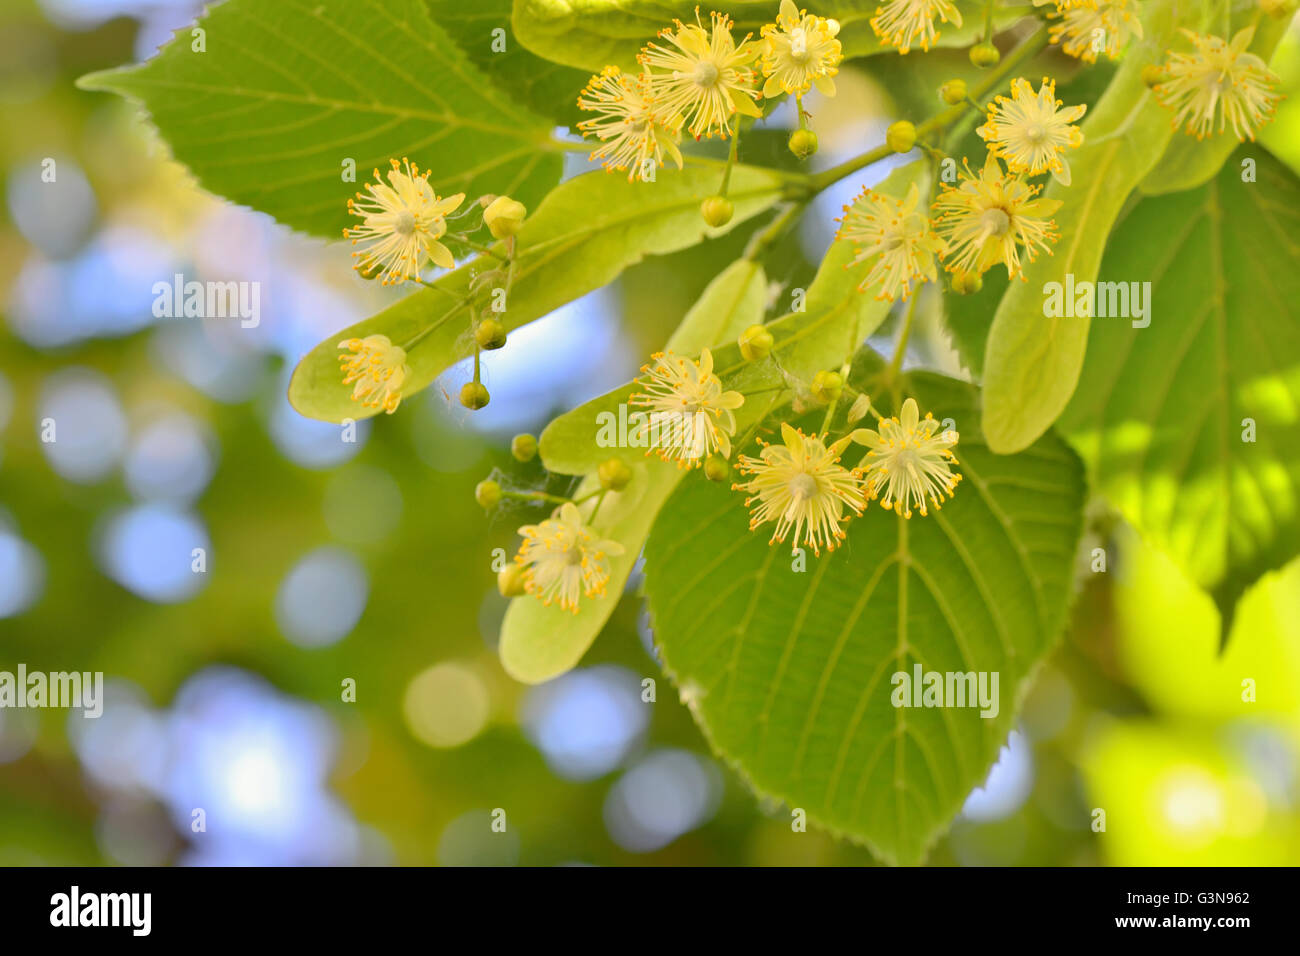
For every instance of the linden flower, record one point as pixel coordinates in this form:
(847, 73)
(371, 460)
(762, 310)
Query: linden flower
(1085, 22)
(704, 75)
(899, 22)
(908, 461)
(691, 417)
(626, 124)
(801, 485)
(1219, 79)
(990, 218)
(562, 559)
(378, 367)
(895, 238)
(801, 52)
(402, 223)
(1030, 130)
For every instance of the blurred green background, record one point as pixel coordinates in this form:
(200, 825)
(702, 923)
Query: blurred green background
(329, 561)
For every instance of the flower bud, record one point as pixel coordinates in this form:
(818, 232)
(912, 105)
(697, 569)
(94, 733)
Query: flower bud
(614, 474)
(953, 92)
(755, 343)
(901, 137)
(803, 143)
(510, 580)
(487, 493)
(716, 468)
(985, 55)
(490, 334)
(967, 283)
(504, 217)
(523, 447)
(473, 395)
(827, 386)
(717, 210)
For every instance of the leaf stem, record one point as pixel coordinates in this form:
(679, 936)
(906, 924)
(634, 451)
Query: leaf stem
(732, 153)
(761, 242)
(900, 349)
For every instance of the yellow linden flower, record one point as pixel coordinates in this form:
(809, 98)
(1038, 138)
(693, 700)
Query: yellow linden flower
(899, 22)
(990, 218)
(1220, 79)
(703, 76)
(562, 559)
(1095, 26)
(801, 51)
(895, 238)
(378, 367)
(801, 485)
(908, 461)
(402, 221)
(631, 133)
(1030, 130)
(691, 417)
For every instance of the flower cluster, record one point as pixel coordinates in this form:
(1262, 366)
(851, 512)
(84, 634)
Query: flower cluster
(985, 219)
(698, 78)
(801, 486)
(404, 228)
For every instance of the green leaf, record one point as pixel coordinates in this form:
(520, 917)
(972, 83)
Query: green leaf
(583, 235)
(548, 89)
(285, 93)
(1189, 162)
(1161, 411)
(592, 33)
(1032, 361)
(788, 673)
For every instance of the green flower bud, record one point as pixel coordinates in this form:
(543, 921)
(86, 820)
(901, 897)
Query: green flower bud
(755, 343)
(985, 55)
(716, 468)
(487, 493)
(901, 137)
(803, 143)
(717, 210)
(523, 447)
(490, 334)
(953, 92)
(827, 386)
(504, 217)
(614, 474)
(510, 580)
(474, 395)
